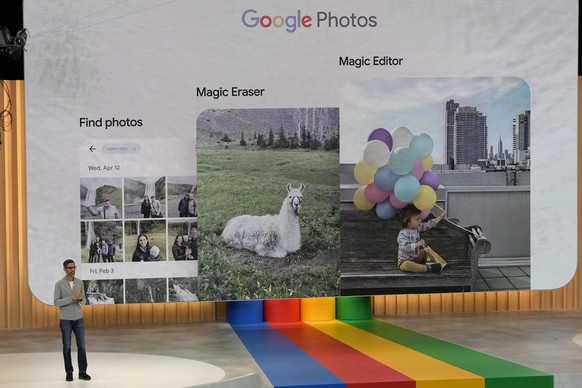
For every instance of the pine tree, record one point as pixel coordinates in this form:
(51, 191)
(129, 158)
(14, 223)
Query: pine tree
(332, 143)
(293, 141)
(271, 140)
(261, 140)
(304, 138)
(281, 139)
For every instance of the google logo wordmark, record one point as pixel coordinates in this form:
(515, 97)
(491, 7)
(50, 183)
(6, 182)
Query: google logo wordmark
(251, 19)
(291, 21)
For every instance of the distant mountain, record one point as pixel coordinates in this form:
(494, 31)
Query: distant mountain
(320, 121)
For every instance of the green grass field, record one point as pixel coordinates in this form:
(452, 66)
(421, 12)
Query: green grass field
(244, 180)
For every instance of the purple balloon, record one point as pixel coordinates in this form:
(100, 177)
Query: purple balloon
(431, 179)
(382, 135)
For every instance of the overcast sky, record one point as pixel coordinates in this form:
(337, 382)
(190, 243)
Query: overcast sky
(419, 103)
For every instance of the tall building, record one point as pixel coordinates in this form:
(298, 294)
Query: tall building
(491, 153)
(450, 109)
(521, 136)
(468, 142)
(500, 153)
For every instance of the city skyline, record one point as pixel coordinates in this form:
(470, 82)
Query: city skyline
(419, 105)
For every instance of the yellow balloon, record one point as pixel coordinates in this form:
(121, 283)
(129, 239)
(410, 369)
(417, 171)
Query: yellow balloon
(364, 173)
(360, 200)
(427, 163)
(426, 198)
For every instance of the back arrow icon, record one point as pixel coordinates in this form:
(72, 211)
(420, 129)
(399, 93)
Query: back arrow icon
(92, 148)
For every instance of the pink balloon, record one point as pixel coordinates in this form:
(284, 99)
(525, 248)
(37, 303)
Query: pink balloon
(418, 170)
(373, 194)
(431, 179)
(424, 214)
(397, 203)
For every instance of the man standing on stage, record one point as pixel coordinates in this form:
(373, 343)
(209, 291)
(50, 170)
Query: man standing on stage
(69, 296)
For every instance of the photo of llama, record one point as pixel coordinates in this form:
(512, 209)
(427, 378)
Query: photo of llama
(268, 188)
(269, 235)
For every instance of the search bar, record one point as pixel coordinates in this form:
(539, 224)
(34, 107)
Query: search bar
(129, 148)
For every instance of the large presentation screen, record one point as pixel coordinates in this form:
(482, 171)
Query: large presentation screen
(229, 150)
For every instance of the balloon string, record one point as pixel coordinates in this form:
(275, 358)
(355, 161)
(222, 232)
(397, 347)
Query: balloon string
(451, 222)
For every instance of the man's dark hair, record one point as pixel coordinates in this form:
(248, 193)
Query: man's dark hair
(67, 262)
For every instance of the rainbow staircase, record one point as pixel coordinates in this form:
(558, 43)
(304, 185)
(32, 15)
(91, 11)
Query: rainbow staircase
(333, 342)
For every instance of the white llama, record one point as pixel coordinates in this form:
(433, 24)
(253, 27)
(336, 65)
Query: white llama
(269, 235)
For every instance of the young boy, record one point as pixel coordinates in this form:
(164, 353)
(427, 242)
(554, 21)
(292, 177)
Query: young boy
(410, 257)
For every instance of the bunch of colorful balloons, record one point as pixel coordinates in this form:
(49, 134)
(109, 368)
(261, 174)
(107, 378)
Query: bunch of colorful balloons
(395, 172)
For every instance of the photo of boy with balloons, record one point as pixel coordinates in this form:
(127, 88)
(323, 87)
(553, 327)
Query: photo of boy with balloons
(396, 179)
